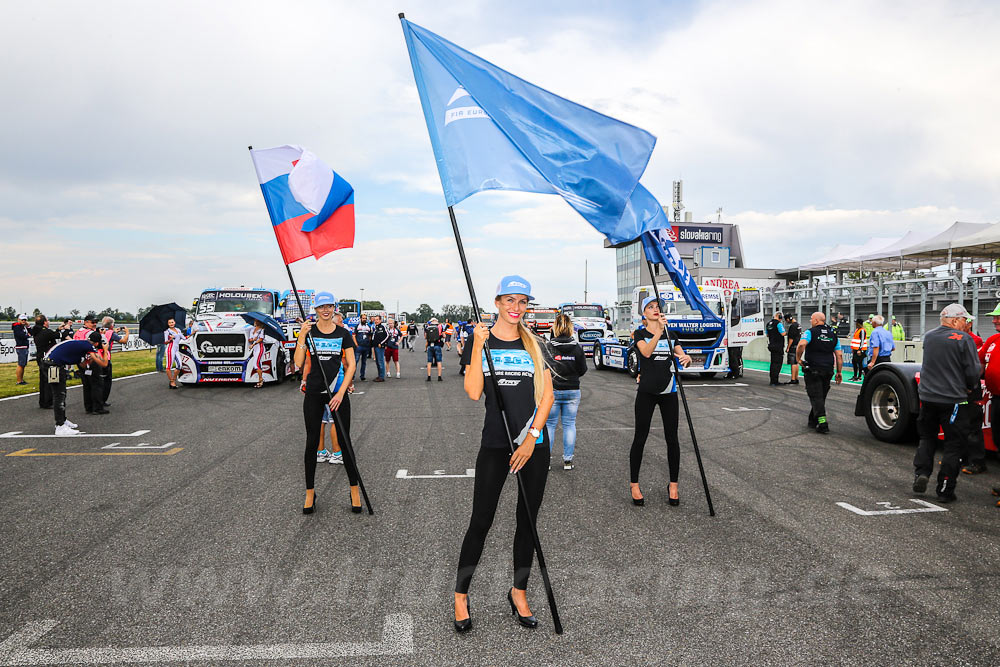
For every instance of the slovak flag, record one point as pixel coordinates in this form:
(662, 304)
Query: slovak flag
(311, 206)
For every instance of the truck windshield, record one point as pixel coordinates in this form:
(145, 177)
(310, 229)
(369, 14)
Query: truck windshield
(680, 309)
(583, 311)
(543, 317)
(236, 302)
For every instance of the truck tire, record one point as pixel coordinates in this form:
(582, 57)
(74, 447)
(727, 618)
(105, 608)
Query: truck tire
(598, 357)
(632, 362)
(887, 409)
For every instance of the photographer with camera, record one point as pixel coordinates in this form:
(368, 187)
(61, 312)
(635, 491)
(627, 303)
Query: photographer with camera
(820, 350)
(111, 335)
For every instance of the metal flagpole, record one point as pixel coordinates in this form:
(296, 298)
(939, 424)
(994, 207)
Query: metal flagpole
(687, 411)
(310, 343)
(522, 493)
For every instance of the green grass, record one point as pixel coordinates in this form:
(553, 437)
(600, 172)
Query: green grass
(787, 370)
(124, 363)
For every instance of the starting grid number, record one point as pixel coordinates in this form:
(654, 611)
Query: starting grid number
(891, 508)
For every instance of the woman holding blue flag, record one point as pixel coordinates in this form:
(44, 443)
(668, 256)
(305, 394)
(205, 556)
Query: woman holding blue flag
(525, 386)
(657, 387)
(332, 353)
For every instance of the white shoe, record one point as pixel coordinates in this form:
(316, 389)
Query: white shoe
(397, 375)
(66, 429)
(70, 424)
(337, 458)
(322, 455)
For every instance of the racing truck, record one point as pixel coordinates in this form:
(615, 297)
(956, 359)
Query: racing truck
(218, 348)
(589, 324)
(541, 320)
(889, 402)
(706, 341)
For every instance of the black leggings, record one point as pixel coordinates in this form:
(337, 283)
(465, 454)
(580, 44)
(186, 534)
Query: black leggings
(644, 406)
(312, 410)
(492, 470)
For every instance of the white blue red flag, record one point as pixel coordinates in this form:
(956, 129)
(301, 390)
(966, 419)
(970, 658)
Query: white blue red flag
(311, 206)
(661, 250)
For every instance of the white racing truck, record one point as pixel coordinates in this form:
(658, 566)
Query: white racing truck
(589, 324)
(219, 349)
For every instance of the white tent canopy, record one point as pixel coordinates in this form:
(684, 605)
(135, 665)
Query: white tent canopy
(853, 260)
(836, 253)
(890, 256)
(986, 240)
(938, 246)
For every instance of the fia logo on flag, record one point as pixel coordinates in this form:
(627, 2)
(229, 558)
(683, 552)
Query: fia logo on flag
(469, 109)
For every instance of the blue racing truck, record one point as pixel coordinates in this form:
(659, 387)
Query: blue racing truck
(705, 341)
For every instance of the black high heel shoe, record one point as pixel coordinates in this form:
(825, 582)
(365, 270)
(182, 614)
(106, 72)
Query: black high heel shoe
(673, 501)
(526, 621)
(311, 508)
(355, 508)
(639, 502)
(465, 624)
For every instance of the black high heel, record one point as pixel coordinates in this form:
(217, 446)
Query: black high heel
(311, 508)
(673, 501)
(355, 508)
(638, 502)
(526, 621)
(465, 624)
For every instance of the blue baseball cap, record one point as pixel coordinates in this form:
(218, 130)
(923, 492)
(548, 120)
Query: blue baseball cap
(645, 302)
(514, 285)
(324, 299)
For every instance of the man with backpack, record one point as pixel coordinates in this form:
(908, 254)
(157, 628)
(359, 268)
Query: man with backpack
(434, 344)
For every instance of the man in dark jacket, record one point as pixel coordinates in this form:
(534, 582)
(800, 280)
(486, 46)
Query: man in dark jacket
(380, 336)
(775, 330)
(45, 339)
(949, 374)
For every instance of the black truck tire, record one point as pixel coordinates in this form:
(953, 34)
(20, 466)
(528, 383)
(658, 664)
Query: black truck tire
(887, 408)
(632, 362)
(598, 357)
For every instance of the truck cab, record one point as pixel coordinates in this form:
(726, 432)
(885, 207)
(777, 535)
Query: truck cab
(541, 320)
(589, 324)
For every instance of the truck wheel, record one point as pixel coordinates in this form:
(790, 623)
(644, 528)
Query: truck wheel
(632, 362)
(887, 409)
(598, 357)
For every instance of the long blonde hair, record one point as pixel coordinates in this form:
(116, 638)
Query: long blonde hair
(531, 346)
(563, 326)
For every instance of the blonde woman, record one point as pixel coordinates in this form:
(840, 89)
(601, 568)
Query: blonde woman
(526, 389)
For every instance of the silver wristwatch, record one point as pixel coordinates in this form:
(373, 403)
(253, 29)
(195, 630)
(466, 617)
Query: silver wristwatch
(534, 433)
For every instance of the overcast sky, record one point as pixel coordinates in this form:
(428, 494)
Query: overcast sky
(125, 178)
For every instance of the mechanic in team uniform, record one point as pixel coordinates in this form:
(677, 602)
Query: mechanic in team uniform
(794, 336)
(949, 375)
(56, 364)
(657, 387)
(775, 330)
(975, 455)
(332, 351)
(525, 386)
(820, 350)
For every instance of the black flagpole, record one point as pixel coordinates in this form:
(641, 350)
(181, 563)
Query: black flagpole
(310, 343)
(680, 389)
(522, 493)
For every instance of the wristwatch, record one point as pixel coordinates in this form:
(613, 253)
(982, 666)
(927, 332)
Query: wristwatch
(534, 433)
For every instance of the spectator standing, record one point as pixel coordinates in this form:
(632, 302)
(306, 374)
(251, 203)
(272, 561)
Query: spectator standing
(433, 345)
(859, 350)
(568, 364)
(395, 335)
(989, 357)
(93, 377)
(45, 339)
(89, 326)
(775, 330)
(66, 330)
(411, 335)
(380, 337)
(843, 326)
(21, 339)
(897, 330)
(794, 336)
(949, 374)
(161, 349)
(880, 343)
(449, 332)
(111, 336)
(404, 328)
(868, 325)
(363, 341)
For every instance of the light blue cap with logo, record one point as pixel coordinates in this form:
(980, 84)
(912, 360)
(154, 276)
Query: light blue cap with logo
(324, 299)
(514, 285)
(645, 302)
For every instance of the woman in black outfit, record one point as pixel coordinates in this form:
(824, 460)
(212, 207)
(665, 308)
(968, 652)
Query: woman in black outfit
(333, 345)
(526, 389)
(568, 363)
(657, 387)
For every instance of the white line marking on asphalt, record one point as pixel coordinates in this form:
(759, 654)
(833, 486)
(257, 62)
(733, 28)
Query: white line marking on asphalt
(141, 445)
(77, 386)
(402, 473)
(745, 409)
(893, 509)
(397, 639)
(718, 384)
(20, 434)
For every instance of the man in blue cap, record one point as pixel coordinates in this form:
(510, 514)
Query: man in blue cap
(56, 364)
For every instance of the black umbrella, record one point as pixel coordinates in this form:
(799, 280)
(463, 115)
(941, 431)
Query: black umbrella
(154, 323)
(271, 326)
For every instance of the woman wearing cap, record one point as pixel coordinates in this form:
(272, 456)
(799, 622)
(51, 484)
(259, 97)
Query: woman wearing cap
(326, 359)
(526, 390)
(657, 387)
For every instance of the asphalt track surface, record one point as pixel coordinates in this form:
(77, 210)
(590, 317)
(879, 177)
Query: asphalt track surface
(203, 554)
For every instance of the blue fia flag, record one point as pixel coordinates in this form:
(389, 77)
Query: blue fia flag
(491, 130)
(661, 250)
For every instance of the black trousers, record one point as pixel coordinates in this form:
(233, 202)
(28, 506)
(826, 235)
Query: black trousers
(44, 391)
(644, 406)
(106, 383)
(975, 445)
(93, 389)
(777, 357)
(492, 470)
(858, 363)
(735, 362)
(956, 434)
(58, 394)
(312, 412)
(817, 387)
